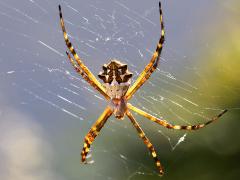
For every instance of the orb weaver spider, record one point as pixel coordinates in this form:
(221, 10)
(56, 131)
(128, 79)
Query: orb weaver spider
(116, 91)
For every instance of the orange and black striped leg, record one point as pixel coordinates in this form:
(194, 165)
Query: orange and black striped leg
(151, 67)
(170, 126)
(75, 55)
(85, 77)
(94, 131)
(146, 142)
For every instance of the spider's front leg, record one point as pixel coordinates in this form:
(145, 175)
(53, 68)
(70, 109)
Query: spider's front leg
(94, 131)
(81, 67)
(170, 126)
(152, 65)
(85, 77)
(146, 142)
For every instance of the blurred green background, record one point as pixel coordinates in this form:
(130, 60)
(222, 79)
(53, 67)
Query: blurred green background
(46, 109)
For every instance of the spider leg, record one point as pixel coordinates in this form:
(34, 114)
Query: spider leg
(170, 126)
(146, 142)
(94, 131)
(85, 77)
(152, 65)
(76, 57)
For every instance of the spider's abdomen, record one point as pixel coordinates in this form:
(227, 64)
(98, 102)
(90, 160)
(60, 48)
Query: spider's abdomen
(115, 70)
(115, 90)
(117, 79)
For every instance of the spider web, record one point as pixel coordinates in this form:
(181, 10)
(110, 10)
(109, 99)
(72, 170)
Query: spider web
(38, 82)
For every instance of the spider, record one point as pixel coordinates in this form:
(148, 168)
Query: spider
(117, 91)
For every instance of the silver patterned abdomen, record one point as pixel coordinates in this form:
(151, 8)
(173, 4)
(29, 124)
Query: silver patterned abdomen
(117, 79)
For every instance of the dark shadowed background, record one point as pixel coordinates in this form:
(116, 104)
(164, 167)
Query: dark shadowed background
(46, 108)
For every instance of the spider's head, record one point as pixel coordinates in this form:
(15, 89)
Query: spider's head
(116, 77)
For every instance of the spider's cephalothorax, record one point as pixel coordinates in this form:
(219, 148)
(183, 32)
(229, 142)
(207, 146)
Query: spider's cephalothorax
(115, 89)
(117, 79)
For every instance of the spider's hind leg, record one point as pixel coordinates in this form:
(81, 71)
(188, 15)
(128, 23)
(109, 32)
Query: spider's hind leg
(94, 131)
(146, 142)
(165, 124)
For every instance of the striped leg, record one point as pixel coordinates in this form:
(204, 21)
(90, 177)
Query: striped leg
(170, 126)
(146, 142)
(94, 131)
(75, 55)
(151, 67)
(85, 77)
